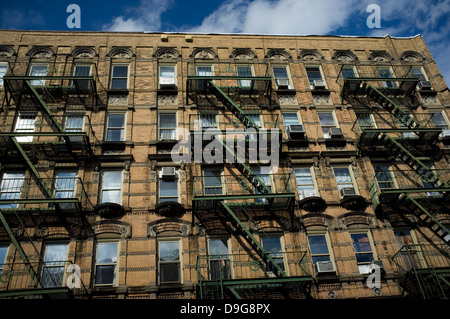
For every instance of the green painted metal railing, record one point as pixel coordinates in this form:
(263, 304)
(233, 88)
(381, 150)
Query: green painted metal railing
(249, 271)
(425, 269)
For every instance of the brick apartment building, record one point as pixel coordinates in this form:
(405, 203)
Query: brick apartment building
(93, 204)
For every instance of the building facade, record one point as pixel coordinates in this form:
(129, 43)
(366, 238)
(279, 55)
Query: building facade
(163, 165)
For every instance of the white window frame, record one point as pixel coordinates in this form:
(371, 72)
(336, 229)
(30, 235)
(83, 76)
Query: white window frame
(3, 262)
(124, 128)
(385, 83)
(328, 127)
(282, 251)
(82, 65)
(17, 186)
(180, 259)
(115, 263)
(348, 66)
(2, 75)
(222, 184)
(40, 82)
(223, 259)
(244, 84)
(354, 185)
(297, 113)
(311, 84)
(327, 241)
(176, 181)
(313, 179)
(175, 129)
(53, 264)
(172, 65)
(111, 80)
(102, 189)
(25, 125)
(288, 74)
(363, 267)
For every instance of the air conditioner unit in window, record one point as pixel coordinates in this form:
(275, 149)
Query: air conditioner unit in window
(306, 194)
(167, 136)
(424, 85)
(168, 173)
(445, 133)
(283, 83)
(324, 267)
(319, 84)
(335, 132)
(296, 131)
(347, 191)
(166, 82)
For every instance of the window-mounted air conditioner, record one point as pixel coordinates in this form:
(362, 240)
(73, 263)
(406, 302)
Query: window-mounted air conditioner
(424, 85)
(319, 84)
(347, 191)
(296, 131)
(335, 132)
(168, 173)
(445, 133)
(324, 267)
(167, 136)
(166, 82)
(283, 83)
(306, 194)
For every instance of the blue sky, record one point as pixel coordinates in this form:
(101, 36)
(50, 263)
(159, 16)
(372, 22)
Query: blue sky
(401, 18)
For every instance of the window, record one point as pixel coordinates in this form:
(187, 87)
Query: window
(363, 251)
(212, 179)
(327, 121)
(272, 245)
(204, 70)
(439, 120)
(364, 121)
(25, 123)
(38, 70)
(65, 186)
(168, 188)
(111, 187)
(263, 173)
(169, 261)
(166, 76)
(3, 69)
(386, 73)
(106, 263)
(305, 184)
(280, 73)
(290, 119)
(54, 265)
(348, 71)
(115, 129)
(244, 71)
(167, 126)
(208, 120)
(343, 179)
(219, 259)
(74, 123)
(119, 77)
(82, 71)
(319, 248)
(416, 72)
(3, 254)
(314, 74)
(10, 188)
(383, 176)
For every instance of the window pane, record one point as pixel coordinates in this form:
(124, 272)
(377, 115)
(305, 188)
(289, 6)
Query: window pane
(82, 70)
(3, 251)
(111, 196)
(55, 252)
(361, 243)
(272, 245)
(168, 188)
(280, 73)
(167, 120)
(169, 272)
(52, 277)
(313, 73)
(120, 71)
(116, 120)
(348, 72)
(112, 180)
(290, 119)
(169, 251)
(204, 71)
(318, 244)
(342, 175)
(218, 247)
(106, 253)
(105, 274)
(74, 123)
(167, 71)
(326, 119)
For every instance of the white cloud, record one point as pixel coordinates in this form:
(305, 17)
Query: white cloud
(278, 17)
(144, 17)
